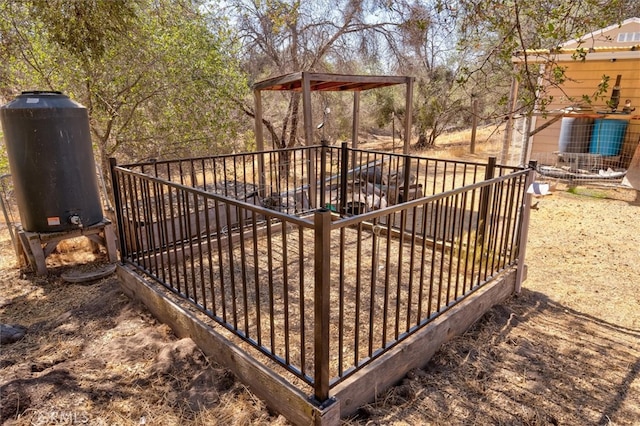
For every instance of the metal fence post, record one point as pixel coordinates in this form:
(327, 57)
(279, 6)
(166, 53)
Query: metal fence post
(118, 204)
(524, 225)
(407, 179)
(322, 230)
(485, 195)
(344, 169)
(323, 173)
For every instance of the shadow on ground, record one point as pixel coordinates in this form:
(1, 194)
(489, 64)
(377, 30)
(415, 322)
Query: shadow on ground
(530, 361)
(89, 350)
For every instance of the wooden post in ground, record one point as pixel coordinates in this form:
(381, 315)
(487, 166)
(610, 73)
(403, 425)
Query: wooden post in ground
(524, 226)
(407, 115)
(354, 129)
(508, 134)
(474, 123)
(260, 143)
(485, 195)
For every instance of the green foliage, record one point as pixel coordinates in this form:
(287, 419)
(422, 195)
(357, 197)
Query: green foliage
(156, 79)
(385, 111)
(504, 28)
(4, 160)
(438, 106)
(85, 28)
(162, 79)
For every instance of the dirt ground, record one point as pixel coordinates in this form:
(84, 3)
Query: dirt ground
(566, 351)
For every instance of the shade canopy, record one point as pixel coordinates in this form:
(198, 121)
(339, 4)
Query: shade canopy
(307, 82)
(329, 82)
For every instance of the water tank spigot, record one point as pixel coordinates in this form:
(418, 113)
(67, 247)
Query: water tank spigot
(74, 219)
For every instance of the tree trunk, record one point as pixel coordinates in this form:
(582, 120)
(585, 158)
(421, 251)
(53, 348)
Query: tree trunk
(106, 187)
(423, 141)
(295, 119)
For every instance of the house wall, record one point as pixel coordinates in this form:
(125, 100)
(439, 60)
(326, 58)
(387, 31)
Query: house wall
(608, 57)
(584, 78)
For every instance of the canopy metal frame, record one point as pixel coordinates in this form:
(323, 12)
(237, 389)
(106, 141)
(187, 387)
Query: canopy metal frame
(307, 82)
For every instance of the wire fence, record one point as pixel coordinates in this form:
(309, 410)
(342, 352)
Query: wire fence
(10, 214)
(591, 149)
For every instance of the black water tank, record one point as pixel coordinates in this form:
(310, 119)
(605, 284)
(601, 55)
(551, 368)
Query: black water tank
(51, 159)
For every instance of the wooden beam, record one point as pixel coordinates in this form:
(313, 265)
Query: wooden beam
(474, 123)
(38, 246)
(508, 134)
(545, 125)
(259, 142)
(257, 96)
(179, 252)
(308, 136)
(408, 113)
(356, 121)
(328, 82)
(306, 110)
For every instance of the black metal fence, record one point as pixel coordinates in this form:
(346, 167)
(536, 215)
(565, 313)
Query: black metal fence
(322, 258)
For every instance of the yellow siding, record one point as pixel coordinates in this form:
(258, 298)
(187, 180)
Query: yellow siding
(583, 79)
(585, 76)
(547, 139)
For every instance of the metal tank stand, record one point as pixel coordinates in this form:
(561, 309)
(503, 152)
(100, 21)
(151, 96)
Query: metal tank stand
(37, 246)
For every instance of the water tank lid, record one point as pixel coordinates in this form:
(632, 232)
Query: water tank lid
(41, 92)
(41, 99)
